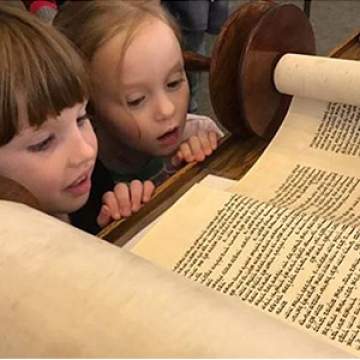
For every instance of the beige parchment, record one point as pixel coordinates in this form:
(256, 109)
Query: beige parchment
(65, 293)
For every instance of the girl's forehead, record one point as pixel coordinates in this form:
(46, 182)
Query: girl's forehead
(155, 50)
(152, 42)
(106, 59)
(152, 35)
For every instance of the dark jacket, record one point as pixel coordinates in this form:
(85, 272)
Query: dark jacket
(199, 15)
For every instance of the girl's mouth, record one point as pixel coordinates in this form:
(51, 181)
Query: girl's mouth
(170, 137)
(81, 186)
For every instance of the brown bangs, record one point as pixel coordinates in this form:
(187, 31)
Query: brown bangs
(38, 64)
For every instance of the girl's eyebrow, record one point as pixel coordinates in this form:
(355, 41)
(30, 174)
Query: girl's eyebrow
(31, 136)
(83, 117)
(27, 135)
(177, 67)
(30, 130)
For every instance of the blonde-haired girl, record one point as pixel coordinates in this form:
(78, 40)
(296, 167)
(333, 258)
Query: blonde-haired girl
(139, 92)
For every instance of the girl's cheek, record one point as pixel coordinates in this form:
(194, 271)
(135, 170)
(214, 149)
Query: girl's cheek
(93, 140)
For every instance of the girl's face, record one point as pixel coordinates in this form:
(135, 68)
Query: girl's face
(142, 103)
(55, 161)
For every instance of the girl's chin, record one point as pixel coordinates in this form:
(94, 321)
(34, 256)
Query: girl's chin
(167, 152)
(154, 151)
(75, 204)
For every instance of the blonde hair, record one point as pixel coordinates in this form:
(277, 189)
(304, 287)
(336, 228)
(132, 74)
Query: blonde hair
(90, 24)
(38, 64)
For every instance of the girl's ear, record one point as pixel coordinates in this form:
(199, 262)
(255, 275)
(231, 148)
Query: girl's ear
(12, 191)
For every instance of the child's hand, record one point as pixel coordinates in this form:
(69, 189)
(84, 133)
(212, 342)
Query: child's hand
(197, 147)
(124, 200)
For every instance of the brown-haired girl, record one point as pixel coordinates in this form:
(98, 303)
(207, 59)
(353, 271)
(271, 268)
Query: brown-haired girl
(47, 143)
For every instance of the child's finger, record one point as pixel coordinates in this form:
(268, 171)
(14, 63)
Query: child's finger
(196, 148)
(186, 152)
(121, 191)
(149, 188)
(205, 143)
(136, 194)
(177, 159)
(213, 137)
(104, 216)
(109, 199)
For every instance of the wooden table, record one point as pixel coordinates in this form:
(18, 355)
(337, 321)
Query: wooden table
(232, 160)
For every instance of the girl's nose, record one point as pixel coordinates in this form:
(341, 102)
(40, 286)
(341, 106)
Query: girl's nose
(165, 107)
(84, 148)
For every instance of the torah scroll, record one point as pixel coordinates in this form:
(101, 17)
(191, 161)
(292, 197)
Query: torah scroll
(286, 238)
(65, 293)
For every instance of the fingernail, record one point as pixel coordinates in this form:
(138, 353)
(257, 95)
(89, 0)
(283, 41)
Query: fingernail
(127, 212)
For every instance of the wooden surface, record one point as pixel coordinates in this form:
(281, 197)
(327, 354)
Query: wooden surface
(232, 160)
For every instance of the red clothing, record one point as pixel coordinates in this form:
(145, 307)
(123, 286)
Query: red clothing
(37, 5)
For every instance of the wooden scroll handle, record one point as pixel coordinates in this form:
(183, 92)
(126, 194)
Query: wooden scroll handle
(13, 191)
(196, 62)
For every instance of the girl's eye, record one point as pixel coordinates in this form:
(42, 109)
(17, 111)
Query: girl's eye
(81, 120)
(175, 84)
(135, 102)
(43, 145)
